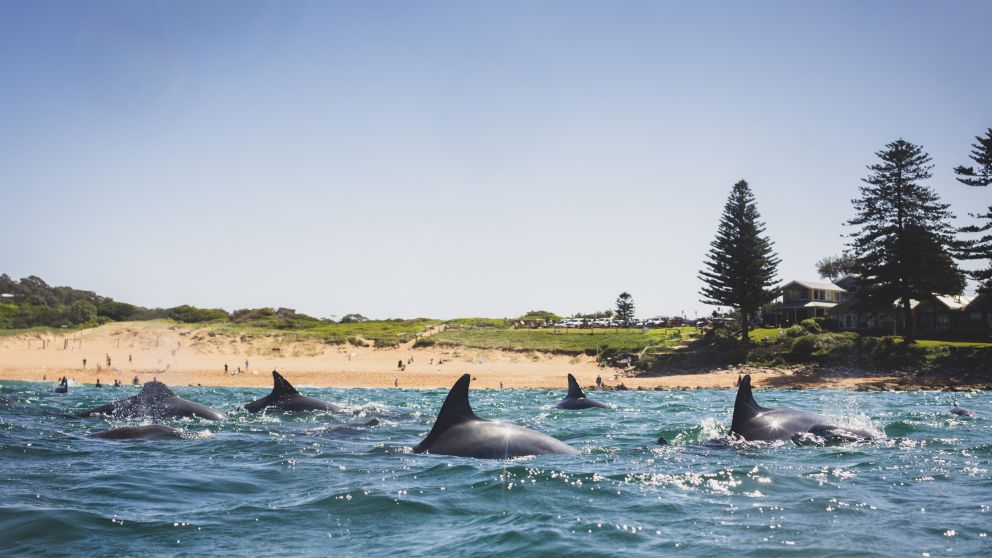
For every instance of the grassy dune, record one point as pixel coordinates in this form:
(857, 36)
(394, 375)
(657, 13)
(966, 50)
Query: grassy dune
(567, 341)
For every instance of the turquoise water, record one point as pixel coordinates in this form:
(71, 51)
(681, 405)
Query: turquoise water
(324, 483)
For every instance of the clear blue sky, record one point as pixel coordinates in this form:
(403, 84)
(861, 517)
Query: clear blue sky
(446, 159)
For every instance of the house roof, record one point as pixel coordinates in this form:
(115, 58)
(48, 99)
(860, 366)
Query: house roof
(816, 285)
(807, 304)
(952, 302)
(957, 302)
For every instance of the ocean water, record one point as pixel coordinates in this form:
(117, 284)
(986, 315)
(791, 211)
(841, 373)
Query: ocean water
(327, 484)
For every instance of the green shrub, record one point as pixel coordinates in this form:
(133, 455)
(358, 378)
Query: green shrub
(119, 311)
(540, 315)
(387, 341)
(356, 342)
(191, 315)
(81, 311)
(424, 342)
(812, 325)
(802, 349)
(796, 331)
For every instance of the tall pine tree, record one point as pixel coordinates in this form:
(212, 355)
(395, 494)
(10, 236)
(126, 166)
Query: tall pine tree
(980, 248)
(740, 266)
(904, 234)
(625, 308)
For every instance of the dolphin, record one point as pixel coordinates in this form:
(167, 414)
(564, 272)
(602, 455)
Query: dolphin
(457, 431)
(284, 396)
(576, 399)
(756, 423)
(960, 411)
(148, 431)
(155, 400)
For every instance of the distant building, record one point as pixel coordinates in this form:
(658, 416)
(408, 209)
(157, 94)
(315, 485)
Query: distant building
(940, 313)
(802, 300)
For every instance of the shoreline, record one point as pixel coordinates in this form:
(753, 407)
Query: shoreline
(793, 379)
(183, 356)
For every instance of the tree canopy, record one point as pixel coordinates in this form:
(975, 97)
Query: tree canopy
(980, 176)
(625, 307)
(741, 267)
(903, 237)
(836, 267)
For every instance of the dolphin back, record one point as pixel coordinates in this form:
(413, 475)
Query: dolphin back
(158, 401)
(285, 396)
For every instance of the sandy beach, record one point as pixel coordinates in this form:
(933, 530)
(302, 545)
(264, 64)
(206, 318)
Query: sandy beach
(180, 355)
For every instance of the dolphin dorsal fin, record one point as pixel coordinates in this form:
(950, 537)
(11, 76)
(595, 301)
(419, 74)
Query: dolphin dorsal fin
(456, 407)
(744, 394)
(745, 406)
(281, 386)
(574, 391)
(454, 410)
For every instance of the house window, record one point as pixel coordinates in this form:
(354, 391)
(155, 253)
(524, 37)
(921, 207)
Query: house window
(819, 294)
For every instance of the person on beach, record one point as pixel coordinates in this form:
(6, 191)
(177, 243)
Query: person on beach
(225, 368)
(129, 359)
(135, 381)
(599, 382)
(84, 363)
(396, 382)
(98, 384)
(399, 364)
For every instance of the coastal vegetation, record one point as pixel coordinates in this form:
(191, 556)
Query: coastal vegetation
(604, 343)
(811, 344)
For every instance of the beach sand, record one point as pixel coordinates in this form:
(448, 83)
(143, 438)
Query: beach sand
(180, 355)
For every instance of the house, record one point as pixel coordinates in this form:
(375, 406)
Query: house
(807, 299)
(940, 313)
